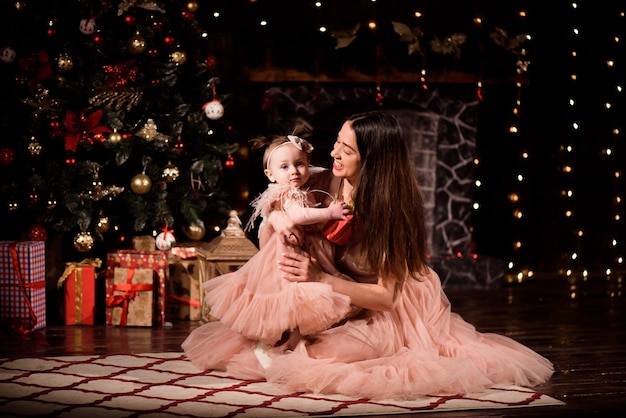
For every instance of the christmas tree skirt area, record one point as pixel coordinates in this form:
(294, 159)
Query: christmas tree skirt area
(166, 384)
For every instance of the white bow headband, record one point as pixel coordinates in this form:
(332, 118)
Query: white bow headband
(296, 141)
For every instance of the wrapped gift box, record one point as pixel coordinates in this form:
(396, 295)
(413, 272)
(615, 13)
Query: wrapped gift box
(79, 282)
(183, 289)
(23, 284)
(152, 260)
(132, 300)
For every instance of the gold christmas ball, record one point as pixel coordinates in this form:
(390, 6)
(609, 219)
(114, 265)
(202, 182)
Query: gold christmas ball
(115, 137)
(141, 184)
(34, 147)
(103, 225)
(195, 231)
(170, 172)
(65, 62)
(83, 242)
(137, 44)
(192, 6)
(178, 57)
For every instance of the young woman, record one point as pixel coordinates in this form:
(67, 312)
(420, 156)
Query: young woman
(405, 342)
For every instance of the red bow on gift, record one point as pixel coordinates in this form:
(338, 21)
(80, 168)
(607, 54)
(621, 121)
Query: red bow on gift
(83, 127)
(131, 291)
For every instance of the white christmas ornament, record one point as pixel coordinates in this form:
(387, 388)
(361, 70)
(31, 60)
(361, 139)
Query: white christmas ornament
(213, 109)
(7, 54)
(165, 240)
(88, 26)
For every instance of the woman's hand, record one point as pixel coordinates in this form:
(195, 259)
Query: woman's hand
(297, 267)
(290, 233)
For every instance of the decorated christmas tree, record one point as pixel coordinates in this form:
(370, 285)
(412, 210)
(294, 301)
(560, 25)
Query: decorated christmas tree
(112, 122)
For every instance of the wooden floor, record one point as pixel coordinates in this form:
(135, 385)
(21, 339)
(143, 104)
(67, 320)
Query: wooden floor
(584, 336)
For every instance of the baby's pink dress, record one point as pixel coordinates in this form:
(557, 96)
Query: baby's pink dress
(257, 303)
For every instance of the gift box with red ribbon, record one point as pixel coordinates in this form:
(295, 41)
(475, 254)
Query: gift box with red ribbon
(23, 285)
(154, 261)
(183, 289)
(133, 300)
(79, 282)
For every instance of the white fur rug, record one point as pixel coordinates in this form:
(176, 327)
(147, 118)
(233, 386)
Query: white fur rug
(166, 385)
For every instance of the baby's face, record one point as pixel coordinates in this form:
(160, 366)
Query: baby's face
(288, 164)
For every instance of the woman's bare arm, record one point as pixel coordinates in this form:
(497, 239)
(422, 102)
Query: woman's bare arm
(300, 268)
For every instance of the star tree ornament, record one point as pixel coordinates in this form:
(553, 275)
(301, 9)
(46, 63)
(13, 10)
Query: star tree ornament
(34, 147)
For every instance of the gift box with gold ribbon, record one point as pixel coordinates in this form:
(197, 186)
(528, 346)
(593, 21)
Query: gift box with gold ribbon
(79, 283)
(23, 285)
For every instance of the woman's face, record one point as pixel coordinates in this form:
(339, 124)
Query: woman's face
(346, 156)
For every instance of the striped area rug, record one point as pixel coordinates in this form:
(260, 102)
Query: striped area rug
(166, 385)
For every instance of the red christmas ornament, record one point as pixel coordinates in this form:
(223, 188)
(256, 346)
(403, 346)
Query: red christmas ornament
(37, 233)
(169, 41)
(187, 15)
(7, 156)
(87, 26)
(179, 145)
(33, 198)
(130, 20)
(230, 162)
(211, 62)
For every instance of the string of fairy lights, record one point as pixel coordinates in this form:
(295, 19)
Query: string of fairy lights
(572, 264)
(614, 102)
(517, 269)
(571, 147)
(609, 137)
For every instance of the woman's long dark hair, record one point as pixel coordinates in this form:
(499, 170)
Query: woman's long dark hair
(388, 200)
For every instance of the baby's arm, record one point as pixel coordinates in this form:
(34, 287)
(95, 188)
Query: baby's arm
(308, 216)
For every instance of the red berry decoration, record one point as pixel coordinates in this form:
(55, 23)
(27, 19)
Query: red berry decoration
(130, 20)
(7, 156)
(37, 233)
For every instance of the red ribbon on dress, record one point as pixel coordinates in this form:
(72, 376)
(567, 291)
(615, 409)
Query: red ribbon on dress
(338, 231)
(131, 290)
(19, 326)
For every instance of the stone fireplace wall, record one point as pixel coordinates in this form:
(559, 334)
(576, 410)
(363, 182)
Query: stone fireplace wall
(441, 129)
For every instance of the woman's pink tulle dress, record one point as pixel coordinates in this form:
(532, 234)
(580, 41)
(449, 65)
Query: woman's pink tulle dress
(419, 348)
